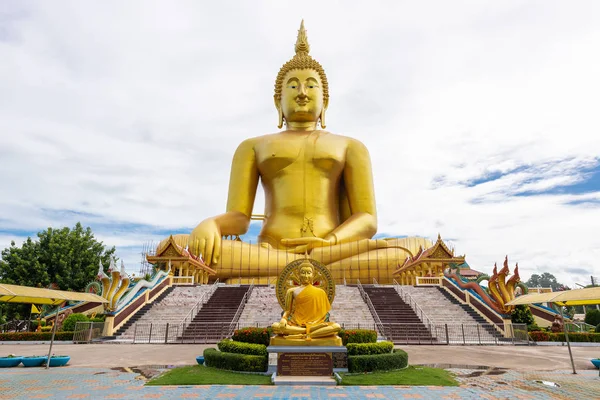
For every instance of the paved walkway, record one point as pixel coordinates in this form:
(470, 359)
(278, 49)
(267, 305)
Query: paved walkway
(102, 383)
(87, 376)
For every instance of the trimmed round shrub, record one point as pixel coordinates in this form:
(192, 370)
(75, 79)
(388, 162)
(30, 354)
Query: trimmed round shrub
(253, 335)
(235, 362)
(378, 362)
(69, 323)
(598, 329)
(231, 346)
(362, 349)
(358, 336)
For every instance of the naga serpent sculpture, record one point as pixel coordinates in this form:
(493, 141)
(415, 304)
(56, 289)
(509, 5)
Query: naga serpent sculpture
(498, 292)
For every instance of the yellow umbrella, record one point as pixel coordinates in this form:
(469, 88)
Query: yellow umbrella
(577, 297)
(31, 295)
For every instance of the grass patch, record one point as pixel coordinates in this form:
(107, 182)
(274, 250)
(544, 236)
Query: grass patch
(201, 375)
(412, 375)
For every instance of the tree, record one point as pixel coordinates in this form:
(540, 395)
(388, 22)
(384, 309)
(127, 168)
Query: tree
(522, 315)
(592, 317)
(66, 257)
(545, 280)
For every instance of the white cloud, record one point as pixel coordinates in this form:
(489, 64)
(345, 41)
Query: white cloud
(130, 112)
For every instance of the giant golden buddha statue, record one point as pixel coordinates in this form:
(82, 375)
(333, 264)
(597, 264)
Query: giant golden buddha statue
(319, 196)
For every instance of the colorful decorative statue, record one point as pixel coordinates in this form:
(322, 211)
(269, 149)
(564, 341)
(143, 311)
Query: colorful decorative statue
(318, 187)
(306, 307)
(499, 291)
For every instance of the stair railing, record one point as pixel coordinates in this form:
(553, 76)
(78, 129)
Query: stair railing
(196, 308)
(238, 313)
(407, 298)
(367, 300)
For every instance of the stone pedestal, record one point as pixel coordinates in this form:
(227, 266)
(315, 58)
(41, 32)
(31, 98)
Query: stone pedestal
(312, 364)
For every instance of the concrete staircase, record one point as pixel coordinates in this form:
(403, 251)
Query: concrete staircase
(262, 309)
(401, 323)
(171, 306)
(464, 324)
(215, 318)
(348, 309)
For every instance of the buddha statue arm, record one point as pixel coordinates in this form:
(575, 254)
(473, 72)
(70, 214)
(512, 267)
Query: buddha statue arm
(358, 179)
(205, 239)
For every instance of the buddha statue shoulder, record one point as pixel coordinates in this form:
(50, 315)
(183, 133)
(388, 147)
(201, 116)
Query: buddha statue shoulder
(318, 188)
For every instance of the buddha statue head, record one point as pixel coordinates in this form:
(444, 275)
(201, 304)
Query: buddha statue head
(301, 90)
(306, 273)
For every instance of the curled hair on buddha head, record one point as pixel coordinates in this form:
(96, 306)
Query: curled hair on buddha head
(302, 60)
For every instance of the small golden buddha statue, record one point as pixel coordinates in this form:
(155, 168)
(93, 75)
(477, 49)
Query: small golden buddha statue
(319, 195)
(306, 312)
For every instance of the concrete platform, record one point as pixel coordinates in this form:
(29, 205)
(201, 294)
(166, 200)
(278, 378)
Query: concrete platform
(304, 380)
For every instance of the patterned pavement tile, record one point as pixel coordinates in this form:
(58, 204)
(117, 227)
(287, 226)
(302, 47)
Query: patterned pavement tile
(96, 383)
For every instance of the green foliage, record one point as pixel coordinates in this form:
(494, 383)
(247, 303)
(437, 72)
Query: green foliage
(413, 375)
(34, 336)
(253, 335)
(357, 336)
(69, 323)
(235, 362)
(378, 362)
(533, 327)
(545, 280)
(522, 315)
(361, 349)
(560, 337)
(592, 317)
(46, 328)
(231, 346)
(201, 375)
(34, 324)
(67, 257)
(598, 328)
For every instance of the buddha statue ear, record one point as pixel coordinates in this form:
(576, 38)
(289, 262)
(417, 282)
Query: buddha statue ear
(322, 116)
(279, 112)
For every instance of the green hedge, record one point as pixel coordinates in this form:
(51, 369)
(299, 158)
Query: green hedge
(253, 335)
(357, 336)
(560, 337)
(598, 329)
(378, 362)
(363, 349)
(231, 346)
(69, 323)
(235, 362)
(33, 336)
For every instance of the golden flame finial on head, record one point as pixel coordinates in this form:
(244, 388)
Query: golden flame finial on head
(301, 60)
(302, 45)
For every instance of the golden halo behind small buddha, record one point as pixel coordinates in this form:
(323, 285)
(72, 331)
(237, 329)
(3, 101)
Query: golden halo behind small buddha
(290, 277)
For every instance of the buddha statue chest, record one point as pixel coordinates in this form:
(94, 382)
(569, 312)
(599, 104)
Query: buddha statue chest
(318, 155)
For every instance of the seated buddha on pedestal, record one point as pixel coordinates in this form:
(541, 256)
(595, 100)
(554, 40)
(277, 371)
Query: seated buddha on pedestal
(306, 314)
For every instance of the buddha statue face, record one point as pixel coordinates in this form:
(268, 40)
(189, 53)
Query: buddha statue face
(306, 274)
(302, 96)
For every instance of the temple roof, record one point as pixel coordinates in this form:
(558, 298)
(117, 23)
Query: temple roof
(438, 252)
(171, 251)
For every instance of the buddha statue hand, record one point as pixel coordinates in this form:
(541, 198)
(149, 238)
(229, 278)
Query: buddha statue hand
(205, 240)
(306, 244)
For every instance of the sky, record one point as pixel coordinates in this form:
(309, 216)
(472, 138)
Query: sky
(481, 118)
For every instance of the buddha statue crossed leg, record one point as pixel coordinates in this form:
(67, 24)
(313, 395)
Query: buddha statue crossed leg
(318, 186)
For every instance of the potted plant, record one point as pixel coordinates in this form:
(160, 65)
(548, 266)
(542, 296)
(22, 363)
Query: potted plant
(34, 361)
(58, 361)
(10, 361)
(596, 362)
